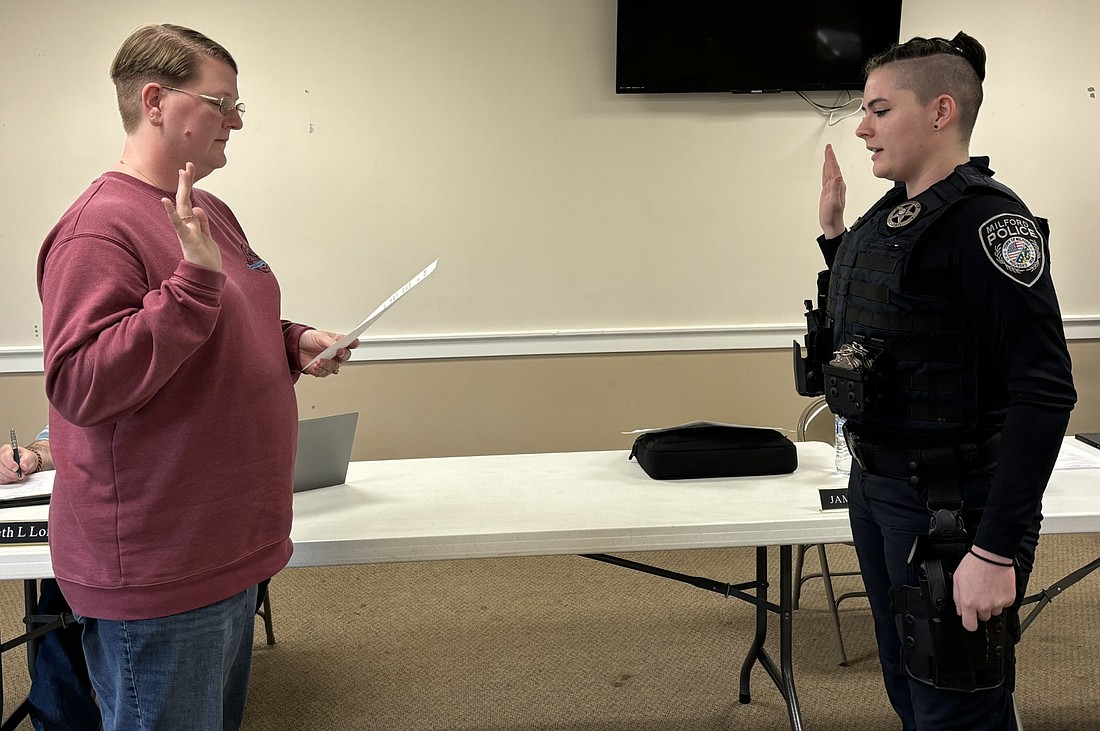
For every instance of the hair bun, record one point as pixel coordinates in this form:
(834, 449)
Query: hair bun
(972, 51)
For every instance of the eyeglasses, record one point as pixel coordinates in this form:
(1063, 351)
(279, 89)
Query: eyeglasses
(224, 104)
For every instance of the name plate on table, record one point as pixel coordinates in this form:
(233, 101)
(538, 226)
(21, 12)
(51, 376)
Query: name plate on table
(834, 498)
(24, 531)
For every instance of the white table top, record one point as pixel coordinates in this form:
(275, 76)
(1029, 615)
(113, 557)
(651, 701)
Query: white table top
(592, 502)
(574, 502)
(541, 504)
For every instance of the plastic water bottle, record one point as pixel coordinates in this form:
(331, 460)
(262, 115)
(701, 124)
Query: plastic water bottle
(843, 457)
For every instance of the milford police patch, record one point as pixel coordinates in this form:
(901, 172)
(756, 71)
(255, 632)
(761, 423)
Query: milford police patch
(1015, 246)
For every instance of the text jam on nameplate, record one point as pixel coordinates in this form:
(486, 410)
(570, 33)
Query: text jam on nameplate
(834, 499)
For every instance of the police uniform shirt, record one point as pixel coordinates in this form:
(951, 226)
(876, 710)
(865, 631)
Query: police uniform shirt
(989, 254)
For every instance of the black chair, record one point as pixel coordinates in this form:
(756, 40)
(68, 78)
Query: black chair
(263, 610)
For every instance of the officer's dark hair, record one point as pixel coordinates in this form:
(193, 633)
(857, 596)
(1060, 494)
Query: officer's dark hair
(932, 66)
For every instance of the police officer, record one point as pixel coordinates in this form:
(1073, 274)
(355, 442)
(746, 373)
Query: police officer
(952, 369)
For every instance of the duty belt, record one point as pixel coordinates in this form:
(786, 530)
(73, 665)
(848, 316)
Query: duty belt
(920, 466)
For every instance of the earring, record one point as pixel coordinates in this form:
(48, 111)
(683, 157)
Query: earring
(935, 126)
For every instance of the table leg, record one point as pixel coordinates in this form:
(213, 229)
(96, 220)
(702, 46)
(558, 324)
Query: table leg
(1045, 596)
(786, 636)
(783, 677)
(12, 722)
(756, 648)
(30, 606)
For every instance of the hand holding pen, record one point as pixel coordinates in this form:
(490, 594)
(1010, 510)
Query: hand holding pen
(18, 463)
(15, 454)
(11, 461)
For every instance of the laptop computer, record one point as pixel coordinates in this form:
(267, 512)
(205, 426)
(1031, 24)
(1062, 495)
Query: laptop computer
(324, 450)
(1091, 438)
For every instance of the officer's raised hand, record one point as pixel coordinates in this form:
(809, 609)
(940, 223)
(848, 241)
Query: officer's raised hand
(831, 207)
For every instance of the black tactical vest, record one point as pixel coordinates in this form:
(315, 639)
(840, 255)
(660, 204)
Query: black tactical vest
(928, 361)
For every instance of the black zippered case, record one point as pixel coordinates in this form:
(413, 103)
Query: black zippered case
(689, 452)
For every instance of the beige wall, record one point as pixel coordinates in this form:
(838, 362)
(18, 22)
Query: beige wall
(381, 134)
(547, 403)
(488, 133)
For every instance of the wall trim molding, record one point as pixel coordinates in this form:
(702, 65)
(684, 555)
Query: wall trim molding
(28, 359)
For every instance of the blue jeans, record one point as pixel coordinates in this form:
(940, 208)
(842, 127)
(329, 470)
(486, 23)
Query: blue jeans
(187, 671)
(887, 515)
(61, 694)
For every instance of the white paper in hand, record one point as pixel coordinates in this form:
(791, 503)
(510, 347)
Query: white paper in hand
(347, 339)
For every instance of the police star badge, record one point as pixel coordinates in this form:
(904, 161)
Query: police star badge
(903, 215)
(1014, 244)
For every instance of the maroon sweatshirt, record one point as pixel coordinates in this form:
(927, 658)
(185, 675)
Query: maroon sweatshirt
(173, 417)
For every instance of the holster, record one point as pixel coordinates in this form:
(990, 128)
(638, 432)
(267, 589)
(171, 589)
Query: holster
(936, 648)
(808, 380)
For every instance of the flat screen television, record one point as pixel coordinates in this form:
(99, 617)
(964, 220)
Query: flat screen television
(749, 46)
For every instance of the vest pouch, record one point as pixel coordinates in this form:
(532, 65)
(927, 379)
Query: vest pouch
(851, 391)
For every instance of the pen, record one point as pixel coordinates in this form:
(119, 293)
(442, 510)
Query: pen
(15, 454)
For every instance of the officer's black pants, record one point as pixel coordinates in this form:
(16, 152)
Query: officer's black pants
(887, 515)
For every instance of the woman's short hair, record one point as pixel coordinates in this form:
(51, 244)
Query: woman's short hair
(930, 67)
(165, 54)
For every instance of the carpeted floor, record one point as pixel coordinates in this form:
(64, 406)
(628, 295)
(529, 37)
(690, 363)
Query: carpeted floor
(556, 643)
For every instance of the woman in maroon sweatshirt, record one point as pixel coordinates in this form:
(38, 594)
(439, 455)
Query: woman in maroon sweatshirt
(173, 418)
